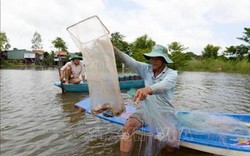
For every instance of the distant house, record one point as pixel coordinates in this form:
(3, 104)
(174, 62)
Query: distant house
(25, 56)
(39, 55)
(21, 55)
(60, 57)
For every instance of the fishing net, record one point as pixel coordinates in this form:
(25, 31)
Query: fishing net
(92, 39)
(222, 131)
(162, 126)
(167, 128)
(212, 123)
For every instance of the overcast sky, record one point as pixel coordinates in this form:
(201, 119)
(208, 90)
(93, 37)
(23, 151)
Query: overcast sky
(193, 23)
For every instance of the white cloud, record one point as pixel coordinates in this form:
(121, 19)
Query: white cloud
(194, 23)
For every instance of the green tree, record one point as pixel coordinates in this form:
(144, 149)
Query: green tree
(176, 47)
(246, 36)
(244, 49)
(4, 42)
(36, 41)
(48, 59)
(60, 44)
(231, 50)
(141, 45)
(210, 51)
(117, 40)
(177, 54)
(189, 55)
(178, 59)
(241, 50)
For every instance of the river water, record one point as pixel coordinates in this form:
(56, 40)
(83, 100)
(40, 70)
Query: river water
(36, 119)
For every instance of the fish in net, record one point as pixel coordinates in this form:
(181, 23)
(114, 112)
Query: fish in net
(92, 39)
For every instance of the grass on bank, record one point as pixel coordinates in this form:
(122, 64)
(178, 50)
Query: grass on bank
(5, 64)
(217, 66)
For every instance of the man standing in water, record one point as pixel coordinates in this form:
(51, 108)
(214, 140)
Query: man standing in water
(159, 86)
(71, 71)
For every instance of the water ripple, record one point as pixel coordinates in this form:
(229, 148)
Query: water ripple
(36, 119)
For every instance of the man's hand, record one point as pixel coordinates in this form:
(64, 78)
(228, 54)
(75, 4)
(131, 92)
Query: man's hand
(142, 94)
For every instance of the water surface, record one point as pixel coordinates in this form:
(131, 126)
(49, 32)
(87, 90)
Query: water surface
(37, 119)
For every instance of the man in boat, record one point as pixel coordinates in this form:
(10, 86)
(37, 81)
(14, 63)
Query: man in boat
(159, 86)
(73, 71)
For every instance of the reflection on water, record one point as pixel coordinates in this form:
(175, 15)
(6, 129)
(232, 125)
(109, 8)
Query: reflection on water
(36, 119)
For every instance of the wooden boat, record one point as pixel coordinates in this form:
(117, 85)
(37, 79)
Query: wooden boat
(126, 81)
(217, 143)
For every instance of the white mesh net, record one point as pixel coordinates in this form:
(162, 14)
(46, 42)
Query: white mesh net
(92, 39)
(163, 129)
(212, 123)
(167, 129)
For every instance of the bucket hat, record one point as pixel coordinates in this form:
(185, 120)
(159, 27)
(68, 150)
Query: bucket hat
(76, 57)
(158, 51)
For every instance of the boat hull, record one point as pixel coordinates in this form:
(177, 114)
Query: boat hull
(126, 81)
(232, 144)
(83, 86)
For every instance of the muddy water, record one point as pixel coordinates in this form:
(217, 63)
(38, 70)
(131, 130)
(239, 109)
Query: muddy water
(36, 119)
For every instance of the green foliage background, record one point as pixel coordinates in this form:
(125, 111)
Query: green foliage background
(183, 60)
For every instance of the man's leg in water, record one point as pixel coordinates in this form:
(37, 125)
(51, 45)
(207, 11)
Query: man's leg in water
(126, 144)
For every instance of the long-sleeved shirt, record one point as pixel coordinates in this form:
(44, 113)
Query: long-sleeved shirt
(163, 85)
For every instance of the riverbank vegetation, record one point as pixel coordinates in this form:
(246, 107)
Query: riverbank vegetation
(217, 65)
(235, 58)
